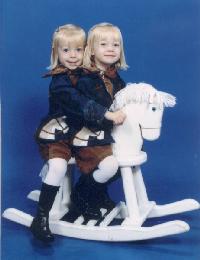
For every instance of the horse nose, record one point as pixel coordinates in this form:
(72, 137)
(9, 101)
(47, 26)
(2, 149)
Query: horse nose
(151, 133)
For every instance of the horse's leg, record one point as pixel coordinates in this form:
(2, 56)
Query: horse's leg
(56, 210)
(159, 210)
(138, 205)
(35, 194)
(67, 185)
(130, 197)
(62, 200)
(60, 206)
(140, 186)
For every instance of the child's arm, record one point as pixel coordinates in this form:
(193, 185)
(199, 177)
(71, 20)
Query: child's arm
(69, 101)
(86, 88)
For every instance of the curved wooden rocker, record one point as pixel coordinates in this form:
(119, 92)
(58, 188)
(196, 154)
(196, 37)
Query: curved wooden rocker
(144, 107)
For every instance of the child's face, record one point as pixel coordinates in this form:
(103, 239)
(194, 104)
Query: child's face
(70, 55)
(106, 51)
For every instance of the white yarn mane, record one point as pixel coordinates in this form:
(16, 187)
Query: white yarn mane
(139, 93)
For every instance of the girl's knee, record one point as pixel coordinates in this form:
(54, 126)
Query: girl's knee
(109, 164)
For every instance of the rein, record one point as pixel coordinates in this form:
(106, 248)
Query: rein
(149, 127)
(146, 128)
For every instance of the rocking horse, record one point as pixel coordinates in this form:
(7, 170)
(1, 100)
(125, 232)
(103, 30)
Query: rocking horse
(144, 107)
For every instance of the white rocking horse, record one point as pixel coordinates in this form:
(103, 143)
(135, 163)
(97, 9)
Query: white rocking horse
(144, 107)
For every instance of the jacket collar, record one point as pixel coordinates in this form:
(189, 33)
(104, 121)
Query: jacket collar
(60, 69)
(109, 73)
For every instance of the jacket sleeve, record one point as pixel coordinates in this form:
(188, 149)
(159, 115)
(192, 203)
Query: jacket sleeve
(69, 101)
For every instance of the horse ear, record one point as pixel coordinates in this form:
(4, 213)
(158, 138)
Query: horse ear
(168, 99)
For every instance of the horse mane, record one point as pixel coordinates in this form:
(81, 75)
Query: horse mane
(139, 93)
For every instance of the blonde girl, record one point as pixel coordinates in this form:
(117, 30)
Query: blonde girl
(53, 134)
(104, 56)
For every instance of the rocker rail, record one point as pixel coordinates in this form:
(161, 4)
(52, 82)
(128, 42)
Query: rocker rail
(103, 233)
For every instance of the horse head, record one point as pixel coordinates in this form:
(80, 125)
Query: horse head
(143, 106)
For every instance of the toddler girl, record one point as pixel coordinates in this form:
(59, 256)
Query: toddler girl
(104, 55)
(56, 129)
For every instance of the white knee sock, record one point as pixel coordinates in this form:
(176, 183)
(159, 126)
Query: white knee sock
(57, 168)
(106, 169)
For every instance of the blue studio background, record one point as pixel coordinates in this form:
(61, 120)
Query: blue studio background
(162, 46)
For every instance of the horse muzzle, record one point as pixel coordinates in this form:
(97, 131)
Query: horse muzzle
(150, 133)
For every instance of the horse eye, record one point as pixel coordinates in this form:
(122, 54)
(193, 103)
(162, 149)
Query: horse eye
(153, 108)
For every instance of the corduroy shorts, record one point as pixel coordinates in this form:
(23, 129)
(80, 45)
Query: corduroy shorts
(87, 158)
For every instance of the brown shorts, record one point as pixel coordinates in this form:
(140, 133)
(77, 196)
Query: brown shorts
(87, 158)
(61, 149)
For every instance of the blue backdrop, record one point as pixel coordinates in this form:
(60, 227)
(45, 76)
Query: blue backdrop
(162, 47)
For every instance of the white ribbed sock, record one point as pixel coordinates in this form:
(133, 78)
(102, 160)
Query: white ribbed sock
(57, 168)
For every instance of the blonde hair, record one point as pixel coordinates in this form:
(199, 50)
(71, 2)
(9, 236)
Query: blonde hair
(71, 33)
(95, 34)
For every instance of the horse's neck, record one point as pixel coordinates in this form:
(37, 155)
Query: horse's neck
(128, 139)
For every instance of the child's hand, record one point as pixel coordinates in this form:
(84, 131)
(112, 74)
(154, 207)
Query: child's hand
(117, 117)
